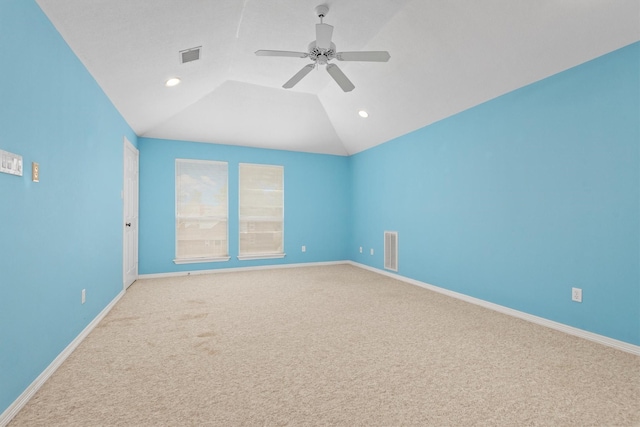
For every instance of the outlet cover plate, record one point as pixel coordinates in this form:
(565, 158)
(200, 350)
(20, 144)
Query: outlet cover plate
(35, 172)
(576, 294)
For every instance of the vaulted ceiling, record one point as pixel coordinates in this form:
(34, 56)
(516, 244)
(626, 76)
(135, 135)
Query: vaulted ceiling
(446, 56)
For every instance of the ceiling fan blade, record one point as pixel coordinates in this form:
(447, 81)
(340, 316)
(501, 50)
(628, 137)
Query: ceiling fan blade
(298, 76)
(340, 78)
(323, 36)
(281, 53)
(373, 56)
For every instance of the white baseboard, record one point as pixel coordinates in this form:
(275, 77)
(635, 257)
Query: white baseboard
(234, 269)
(601, 339)
(22, 400)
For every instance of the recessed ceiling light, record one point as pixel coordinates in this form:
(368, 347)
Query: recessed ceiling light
(363, 114)
(172, 82)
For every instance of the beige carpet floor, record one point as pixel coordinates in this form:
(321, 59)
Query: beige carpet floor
(327, 346)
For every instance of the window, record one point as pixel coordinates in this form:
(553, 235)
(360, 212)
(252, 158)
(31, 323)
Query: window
(261, 211)
(201, 211)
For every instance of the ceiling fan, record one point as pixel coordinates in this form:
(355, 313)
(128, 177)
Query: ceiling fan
(322, 51)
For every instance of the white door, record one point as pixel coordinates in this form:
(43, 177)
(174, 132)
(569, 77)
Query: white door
(130, 225)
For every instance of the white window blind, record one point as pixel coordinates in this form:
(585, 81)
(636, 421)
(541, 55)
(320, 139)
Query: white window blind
(201, 211)
(261, 211)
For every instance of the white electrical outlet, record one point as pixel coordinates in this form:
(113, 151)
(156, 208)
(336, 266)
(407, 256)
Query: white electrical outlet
(360, 249)
(576, 294)
(304, 248)
(84, 295)
(371, 251)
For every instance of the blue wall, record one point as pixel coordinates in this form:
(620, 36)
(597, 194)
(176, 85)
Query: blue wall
(63, 234)
(316, 198)
(521, 198)
(514, 201)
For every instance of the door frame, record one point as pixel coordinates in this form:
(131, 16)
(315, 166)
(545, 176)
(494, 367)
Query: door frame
(129, 147)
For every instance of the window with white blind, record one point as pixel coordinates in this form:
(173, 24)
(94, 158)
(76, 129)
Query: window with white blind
(201, 211)
(261, 211)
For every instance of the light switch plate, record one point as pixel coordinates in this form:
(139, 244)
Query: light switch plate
(10, 163)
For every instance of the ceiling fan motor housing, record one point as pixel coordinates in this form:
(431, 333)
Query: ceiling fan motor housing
(321, 56)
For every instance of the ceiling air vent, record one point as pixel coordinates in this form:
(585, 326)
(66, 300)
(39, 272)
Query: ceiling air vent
(190, 55)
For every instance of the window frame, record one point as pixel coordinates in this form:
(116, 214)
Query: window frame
(258, 256)
(206, 259)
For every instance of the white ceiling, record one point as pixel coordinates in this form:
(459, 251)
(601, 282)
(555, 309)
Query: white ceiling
(446, 56)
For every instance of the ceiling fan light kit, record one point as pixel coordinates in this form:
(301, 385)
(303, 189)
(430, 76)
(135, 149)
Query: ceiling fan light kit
(322, 51)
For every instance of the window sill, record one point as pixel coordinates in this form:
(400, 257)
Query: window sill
(260, 256)
(200, 260)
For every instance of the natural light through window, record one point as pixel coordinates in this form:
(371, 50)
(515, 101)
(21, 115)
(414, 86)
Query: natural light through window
(201, 211)
(261, 211)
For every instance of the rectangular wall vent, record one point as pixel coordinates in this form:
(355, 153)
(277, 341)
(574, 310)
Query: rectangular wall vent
(190, 55)
(391, 250)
